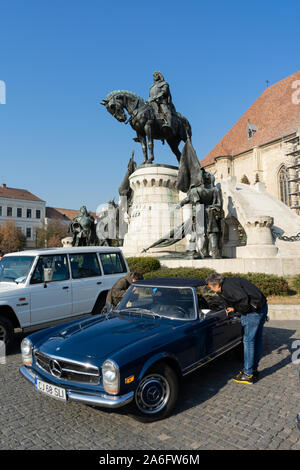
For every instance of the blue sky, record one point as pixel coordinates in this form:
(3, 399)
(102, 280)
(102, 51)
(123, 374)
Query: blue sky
(59, 58)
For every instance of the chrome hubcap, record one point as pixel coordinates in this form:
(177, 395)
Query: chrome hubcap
(153, 394)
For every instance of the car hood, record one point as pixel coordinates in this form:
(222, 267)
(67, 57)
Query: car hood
(9, 287)
(100, 338)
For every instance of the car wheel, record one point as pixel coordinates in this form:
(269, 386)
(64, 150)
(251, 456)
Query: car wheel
(6, 330)
(156, 394)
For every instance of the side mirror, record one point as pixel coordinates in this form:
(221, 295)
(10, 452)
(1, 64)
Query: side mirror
(48, 275)
(205, 312)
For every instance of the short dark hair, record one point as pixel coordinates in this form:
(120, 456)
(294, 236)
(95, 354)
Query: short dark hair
(137, 276)
(215, 279)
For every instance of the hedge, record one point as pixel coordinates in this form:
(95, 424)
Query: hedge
(269, 284)
(296, 283)
(180, 272)
(143, 264)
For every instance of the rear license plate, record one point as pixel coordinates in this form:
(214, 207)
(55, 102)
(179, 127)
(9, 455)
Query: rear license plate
(51, 390)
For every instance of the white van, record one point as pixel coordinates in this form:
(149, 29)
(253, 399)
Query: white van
(43, 287)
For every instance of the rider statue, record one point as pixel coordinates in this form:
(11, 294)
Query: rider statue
(161, 101)
(83, 230)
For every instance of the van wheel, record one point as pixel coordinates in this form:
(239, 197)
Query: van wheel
(100, 303)
(156, 394)
(6, 330)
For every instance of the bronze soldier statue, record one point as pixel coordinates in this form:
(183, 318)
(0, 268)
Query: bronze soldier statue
(210, 198)
(83, 230)
(205, 225)
(161, 101)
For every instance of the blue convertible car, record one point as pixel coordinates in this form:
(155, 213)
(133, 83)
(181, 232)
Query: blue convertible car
(160, 332)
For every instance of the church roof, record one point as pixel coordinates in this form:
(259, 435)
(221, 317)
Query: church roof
(273, 115)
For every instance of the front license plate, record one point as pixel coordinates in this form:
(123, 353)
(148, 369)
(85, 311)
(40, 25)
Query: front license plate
(51, 390)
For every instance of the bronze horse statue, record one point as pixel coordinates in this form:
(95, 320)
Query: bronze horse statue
(146, 123)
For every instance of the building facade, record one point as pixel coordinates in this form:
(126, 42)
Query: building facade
(264, 145)
(24, 208)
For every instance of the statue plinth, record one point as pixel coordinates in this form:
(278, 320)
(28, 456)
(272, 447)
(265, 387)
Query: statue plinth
(259, 238)
(152, 213)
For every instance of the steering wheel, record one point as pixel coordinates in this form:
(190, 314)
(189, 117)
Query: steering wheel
(177, 309)
(11, 275)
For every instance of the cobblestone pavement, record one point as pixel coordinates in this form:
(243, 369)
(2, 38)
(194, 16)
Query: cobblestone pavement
(213, 412)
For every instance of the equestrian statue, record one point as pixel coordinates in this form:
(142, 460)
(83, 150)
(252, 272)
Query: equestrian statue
(155, 119)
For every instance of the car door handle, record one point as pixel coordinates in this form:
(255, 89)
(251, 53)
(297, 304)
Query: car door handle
(66, 287)
(99, 283)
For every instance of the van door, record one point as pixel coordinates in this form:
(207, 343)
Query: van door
(54, 301)
(114, 267)
(87, 281)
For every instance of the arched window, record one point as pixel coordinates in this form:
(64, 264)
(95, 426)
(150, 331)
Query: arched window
(284, 186)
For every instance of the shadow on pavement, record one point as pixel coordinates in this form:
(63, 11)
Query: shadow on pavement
(208, 380)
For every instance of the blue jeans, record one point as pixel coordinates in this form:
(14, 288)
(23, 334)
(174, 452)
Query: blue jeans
(253, 324)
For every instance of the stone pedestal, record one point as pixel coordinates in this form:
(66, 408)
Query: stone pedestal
(153, 214)
(259, 239)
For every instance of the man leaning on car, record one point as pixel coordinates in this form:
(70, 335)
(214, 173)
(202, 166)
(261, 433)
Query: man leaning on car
(117, 291)
(244, 298)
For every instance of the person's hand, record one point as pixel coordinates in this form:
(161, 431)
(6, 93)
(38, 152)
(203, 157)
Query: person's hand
(229, 310)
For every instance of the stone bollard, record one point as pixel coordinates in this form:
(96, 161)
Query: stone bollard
(260, 242)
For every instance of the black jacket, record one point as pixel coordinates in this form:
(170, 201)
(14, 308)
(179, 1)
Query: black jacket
(241, 294)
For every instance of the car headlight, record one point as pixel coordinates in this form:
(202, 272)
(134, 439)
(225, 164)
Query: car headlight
(111, 377)
(26, 350)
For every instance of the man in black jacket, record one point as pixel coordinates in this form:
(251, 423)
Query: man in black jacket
(244, 298)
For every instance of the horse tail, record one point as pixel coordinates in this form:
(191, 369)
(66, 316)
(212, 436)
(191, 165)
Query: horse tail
(187, 128)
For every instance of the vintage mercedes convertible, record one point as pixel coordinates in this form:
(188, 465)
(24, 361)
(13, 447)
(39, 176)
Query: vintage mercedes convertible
(161, 331)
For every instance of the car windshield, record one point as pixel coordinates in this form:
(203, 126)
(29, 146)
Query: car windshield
(177, 303)
(15, 268)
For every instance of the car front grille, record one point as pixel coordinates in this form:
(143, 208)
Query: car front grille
(67, 370)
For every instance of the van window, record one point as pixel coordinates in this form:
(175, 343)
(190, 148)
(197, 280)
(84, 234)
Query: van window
(84, 265)
(112, 263)
(58, 263)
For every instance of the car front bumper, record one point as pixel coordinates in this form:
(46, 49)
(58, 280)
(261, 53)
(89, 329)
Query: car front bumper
(99, 399)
